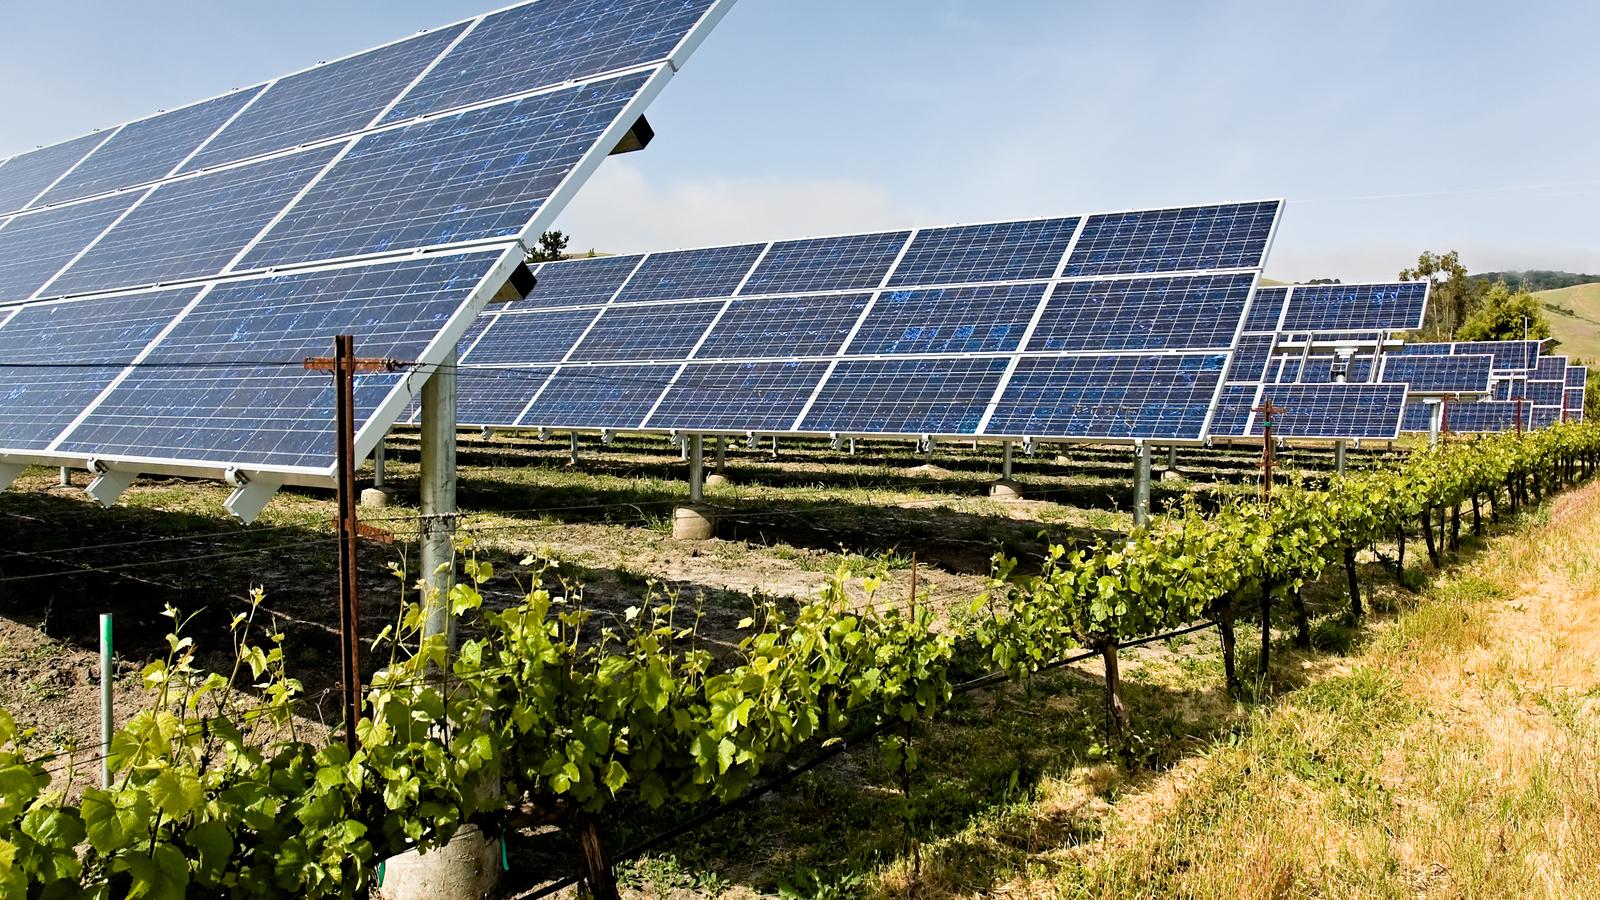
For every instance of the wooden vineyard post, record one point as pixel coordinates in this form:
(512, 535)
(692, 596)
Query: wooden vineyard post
(344, 366)
(601, 879)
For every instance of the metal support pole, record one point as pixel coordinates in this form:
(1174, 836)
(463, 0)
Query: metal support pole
(572, 457)
(697, 468)
(66, 477)
(1172, 457)
(106, 724)
(1141, 484)
(852, 446)
(1338, 456)
(722, 454)
(1005, 460)
(1434, 419)
(438, 495)
(377, 463)
(344, 378)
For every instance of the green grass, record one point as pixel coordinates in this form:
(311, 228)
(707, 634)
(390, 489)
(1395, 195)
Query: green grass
(1574, 316)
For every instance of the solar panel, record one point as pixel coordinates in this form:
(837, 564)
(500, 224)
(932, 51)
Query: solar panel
(1196, 238)
(949, 320)
(1467, 374)
(581, 281)
(147, 150)
(27, 175)
(337, 98)
(1250, 359)
(1189, 313)
(739, 396)
(1545, 416)
(387, 194)
(1333, 411)
(1418, 417)
(1489, 416)
(1005, 251)
(846, 263)
(830, 336)
(523, 338)
(906, 396)
(1543, 393)
(1356, 307)
(1577, 376)
(1266, 310)
(1550, 368)
(1234, 408)
(1122, 397)
(1509, 356)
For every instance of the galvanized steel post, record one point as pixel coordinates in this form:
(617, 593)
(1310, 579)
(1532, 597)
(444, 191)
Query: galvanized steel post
(438, 495)
(1141, 483)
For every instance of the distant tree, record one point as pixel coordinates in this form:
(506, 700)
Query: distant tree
(1452, 294)
(1505, 315)
(552, 246)
(1323, 281)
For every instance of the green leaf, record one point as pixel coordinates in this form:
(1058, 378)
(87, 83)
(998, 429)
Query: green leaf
(175, 792)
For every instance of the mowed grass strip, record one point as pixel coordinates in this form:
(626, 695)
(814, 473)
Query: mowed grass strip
(1455, 754)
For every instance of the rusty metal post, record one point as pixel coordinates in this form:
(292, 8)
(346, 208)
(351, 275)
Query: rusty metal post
(344, 378)
(1268, 453)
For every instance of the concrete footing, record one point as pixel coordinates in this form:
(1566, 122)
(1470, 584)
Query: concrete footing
(716, 479)
(693, 523)
(376, 497)
(467, 868)
(1005, 489)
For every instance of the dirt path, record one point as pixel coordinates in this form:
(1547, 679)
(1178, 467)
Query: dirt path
(1456, 755)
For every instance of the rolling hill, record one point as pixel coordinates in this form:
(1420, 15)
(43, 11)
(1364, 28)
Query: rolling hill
(1574, 316)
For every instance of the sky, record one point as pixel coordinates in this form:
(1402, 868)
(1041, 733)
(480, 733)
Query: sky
(1391, 127)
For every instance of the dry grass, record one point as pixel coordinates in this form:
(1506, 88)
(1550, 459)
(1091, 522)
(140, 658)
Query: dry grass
(1456, 755)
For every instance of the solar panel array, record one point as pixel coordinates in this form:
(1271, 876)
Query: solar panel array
(1114, 326)
(1573, 397)
(171, 272)
(1521, 377)
(1307, 381)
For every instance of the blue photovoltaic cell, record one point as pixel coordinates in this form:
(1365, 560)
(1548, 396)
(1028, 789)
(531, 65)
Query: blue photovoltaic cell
(1164, 396)
(24, 176)
(1418, 418)
(599, 396)
(1233, 410)
(192, 228)
(1376, 307)
(1266, 308)
(542, 336)
(745, 396)
(783, 326)
(1577, 376)
(147, 150)
(846, 263)
(1507, 388)
(948, 320)
(1550, 368)
(341, 97)
(906, 396)
(691, 274)
(1007, 251)
(1439, 374)
(1572, 399)
(89, 339)
(33, 248)
(1334, 411)
(1231, 236)
(225, 386)
(654, 332)
(1427, 349)
(1488, 416)
(471, 176)
(551, 42)
(578, 282)
(1544, 393)
(487, 398)
(1250, 359)
(1187, 313)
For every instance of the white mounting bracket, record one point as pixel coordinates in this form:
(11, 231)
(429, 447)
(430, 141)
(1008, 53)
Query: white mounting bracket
(676, 438)
(835, 442)
(487, 433)
(251, 492)
(752, 439)
(607, 436)
(1028, 446)
(925, 444)
(108, 483)
(9, 473)
(544, 434)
